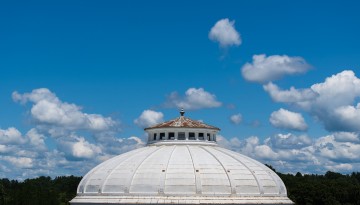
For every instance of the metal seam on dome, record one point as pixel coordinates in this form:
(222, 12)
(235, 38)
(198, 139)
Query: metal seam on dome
(137, 168)
(86, 177)
(279, 186)
(162, 185)
(232, 186)
(121, 163)
(198, 184)
(256, 179)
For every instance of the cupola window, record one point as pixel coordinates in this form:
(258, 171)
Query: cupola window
(162, 135)
(191, 136)
(154, 136)
(171, 135)
(201, 136)
(181, 136)
(208, 136)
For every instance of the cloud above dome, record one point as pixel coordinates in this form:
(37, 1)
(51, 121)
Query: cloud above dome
(77, 147)
(11, 136)
(225, 34)
(294, 153)
(286, 119)
(333, 101)
(79, 140)
(194, 99)
(236, 118)
(149, 118)
(48, 109)
(264, 69)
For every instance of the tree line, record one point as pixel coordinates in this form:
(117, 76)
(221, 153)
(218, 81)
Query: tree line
(329, 189)
(39, 191)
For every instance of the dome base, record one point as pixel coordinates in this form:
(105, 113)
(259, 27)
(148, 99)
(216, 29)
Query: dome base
(98, 200)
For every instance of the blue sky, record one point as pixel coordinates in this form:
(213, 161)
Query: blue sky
(81, 79)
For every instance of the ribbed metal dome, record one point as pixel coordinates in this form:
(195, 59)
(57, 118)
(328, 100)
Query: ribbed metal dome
(181, 172)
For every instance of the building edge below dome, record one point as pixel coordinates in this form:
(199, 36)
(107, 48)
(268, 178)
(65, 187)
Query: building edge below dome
(98, 200)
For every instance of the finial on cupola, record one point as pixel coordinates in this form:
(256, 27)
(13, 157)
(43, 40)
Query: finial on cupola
(182, 112)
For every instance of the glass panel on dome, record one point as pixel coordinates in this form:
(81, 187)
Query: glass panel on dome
(201, 136)
(162, 135)
(154, 136)
(171, 135)
(208, 136)
(191, 136)
(181, 136)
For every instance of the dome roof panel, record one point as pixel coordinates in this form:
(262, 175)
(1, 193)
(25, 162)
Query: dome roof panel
(183, 166)
(182, 169)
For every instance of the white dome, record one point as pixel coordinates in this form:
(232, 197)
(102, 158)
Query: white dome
(181, 172)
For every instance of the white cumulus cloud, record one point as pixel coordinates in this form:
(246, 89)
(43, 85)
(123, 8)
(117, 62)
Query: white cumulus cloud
(195, 98)
(236, 118)
(36, 139)
(333, 102)
(78, 147)
(79, 140)
(289, 141)
(343, 152)
(264, 69)
(265, 152)
(291, 153)
(225, 34)
(50, 110)
(149, 118)
(347, 118)
(340, 167)
(288, 120)
(19, 162)
(347, 137)
(11, 136)
(289, 96)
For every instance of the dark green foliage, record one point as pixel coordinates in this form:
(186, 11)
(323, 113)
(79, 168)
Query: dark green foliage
(40, 191)
(331, 188)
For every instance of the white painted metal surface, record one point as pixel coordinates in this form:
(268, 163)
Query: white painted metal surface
(182, 170)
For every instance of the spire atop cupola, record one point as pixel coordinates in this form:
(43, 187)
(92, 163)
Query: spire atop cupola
(182, 112)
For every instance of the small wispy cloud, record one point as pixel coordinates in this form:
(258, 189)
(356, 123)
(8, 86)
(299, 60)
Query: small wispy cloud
(236, 118)
(149, 118)
(194, 99)
(225, 34)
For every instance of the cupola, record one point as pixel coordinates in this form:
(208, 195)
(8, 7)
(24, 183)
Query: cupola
(182, 130)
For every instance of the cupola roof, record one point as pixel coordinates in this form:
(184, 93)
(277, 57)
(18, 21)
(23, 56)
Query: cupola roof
(182, 122)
